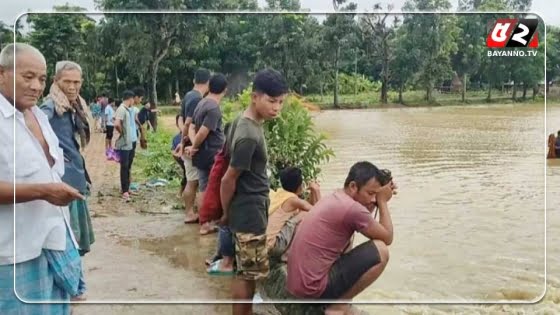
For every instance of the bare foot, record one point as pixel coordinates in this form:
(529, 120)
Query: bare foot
(207, 228)
(191, 217)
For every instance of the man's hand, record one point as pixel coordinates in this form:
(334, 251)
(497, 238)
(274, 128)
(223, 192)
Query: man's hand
(314, 186)
(223, 220)
(384, 194)
(60, 194)
(394, 187)
(190, 151)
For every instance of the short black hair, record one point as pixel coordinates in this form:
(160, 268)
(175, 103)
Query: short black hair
(270, 82)
(110, 101)
(118, 103)
(363, 172)
(128, 94)
(138, 91)
(291, 179)
(218, 83)
(201, 76)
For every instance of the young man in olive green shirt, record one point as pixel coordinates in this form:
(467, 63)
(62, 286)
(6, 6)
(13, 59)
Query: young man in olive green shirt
(244, 187)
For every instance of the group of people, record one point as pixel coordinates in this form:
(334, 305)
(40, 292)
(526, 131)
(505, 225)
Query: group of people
(257, 227)
(260, 226)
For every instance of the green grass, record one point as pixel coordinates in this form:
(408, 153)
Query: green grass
(157, 161)
(415, 99)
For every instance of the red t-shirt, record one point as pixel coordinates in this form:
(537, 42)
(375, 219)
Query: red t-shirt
(321, 238)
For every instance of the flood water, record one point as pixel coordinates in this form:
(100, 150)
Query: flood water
(469, 217)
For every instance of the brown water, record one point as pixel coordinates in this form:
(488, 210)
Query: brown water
(469, 216)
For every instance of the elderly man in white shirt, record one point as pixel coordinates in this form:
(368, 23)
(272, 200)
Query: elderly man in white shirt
(45, 260)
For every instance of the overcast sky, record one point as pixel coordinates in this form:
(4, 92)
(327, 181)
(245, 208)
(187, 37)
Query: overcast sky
(548, 9)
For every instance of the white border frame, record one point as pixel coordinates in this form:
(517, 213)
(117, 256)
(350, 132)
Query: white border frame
(390, 302)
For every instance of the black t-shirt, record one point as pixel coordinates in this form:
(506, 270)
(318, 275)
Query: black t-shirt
(249, 206)
(208, 114)
(144, 115)
(188, 105)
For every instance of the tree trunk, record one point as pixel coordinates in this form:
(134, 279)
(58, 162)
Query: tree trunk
(525, 87)
(535, 91)
(385, 72)
(514, 92)
(400, 94)
(153, 117)
(429, 93)
(336, 77)
(464, 91)
(489, 97)
(160, 54)
(170, 91)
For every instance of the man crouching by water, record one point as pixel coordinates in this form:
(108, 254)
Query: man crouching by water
(319, 265)
(46, 264)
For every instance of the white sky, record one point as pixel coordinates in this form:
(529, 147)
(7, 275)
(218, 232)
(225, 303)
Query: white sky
(549, 10)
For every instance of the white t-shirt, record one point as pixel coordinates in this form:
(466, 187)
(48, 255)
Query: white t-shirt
(109, 114)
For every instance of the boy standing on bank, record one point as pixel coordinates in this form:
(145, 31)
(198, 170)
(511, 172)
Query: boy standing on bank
(245, 186)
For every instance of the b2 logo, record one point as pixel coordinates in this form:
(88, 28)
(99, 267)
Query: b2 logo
(514, 33)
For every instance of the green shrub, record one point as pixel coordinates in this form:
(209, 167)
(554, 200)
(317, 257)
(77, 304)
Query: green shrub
(157, 161)
(291, 138)
(353, 83)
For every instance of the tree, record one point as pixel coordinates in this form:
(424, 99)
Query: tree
(378, 34)
(58, 36)
(552, 55)
(6, 35)
(467, 60)
(433, 37)
(405, 62)
(339, 29)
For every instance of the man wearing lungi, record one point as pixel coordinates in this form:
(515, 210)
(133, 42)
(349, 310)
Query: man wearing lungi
(45, 259)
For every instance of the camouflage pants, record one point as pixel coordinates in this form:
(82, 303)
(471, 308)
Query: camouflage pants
(251, 255)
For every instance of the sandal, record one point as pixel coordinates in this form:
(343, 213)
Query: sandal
(210, 261)
(214, 269)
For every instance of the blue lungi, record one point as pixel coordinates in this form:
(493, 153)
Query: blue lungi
(39, 280)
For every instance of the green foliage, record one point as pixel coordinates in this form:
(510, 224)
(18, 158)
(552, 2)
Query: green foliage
(553, 53)
(291, 138)
(162, 51)
(355, 83)
(157, 161)
(292, 141)
(6, 35)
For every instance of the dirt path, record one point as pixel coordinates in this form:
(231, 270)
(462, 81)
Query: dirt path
(139, 257)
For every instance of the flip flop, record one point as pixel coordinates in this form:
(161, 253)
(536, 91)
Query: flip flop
(215, 270)
(210, 261)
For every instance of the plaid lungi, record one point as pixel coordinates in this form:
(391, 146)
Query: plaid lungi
(34, 282)
(41, 280)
